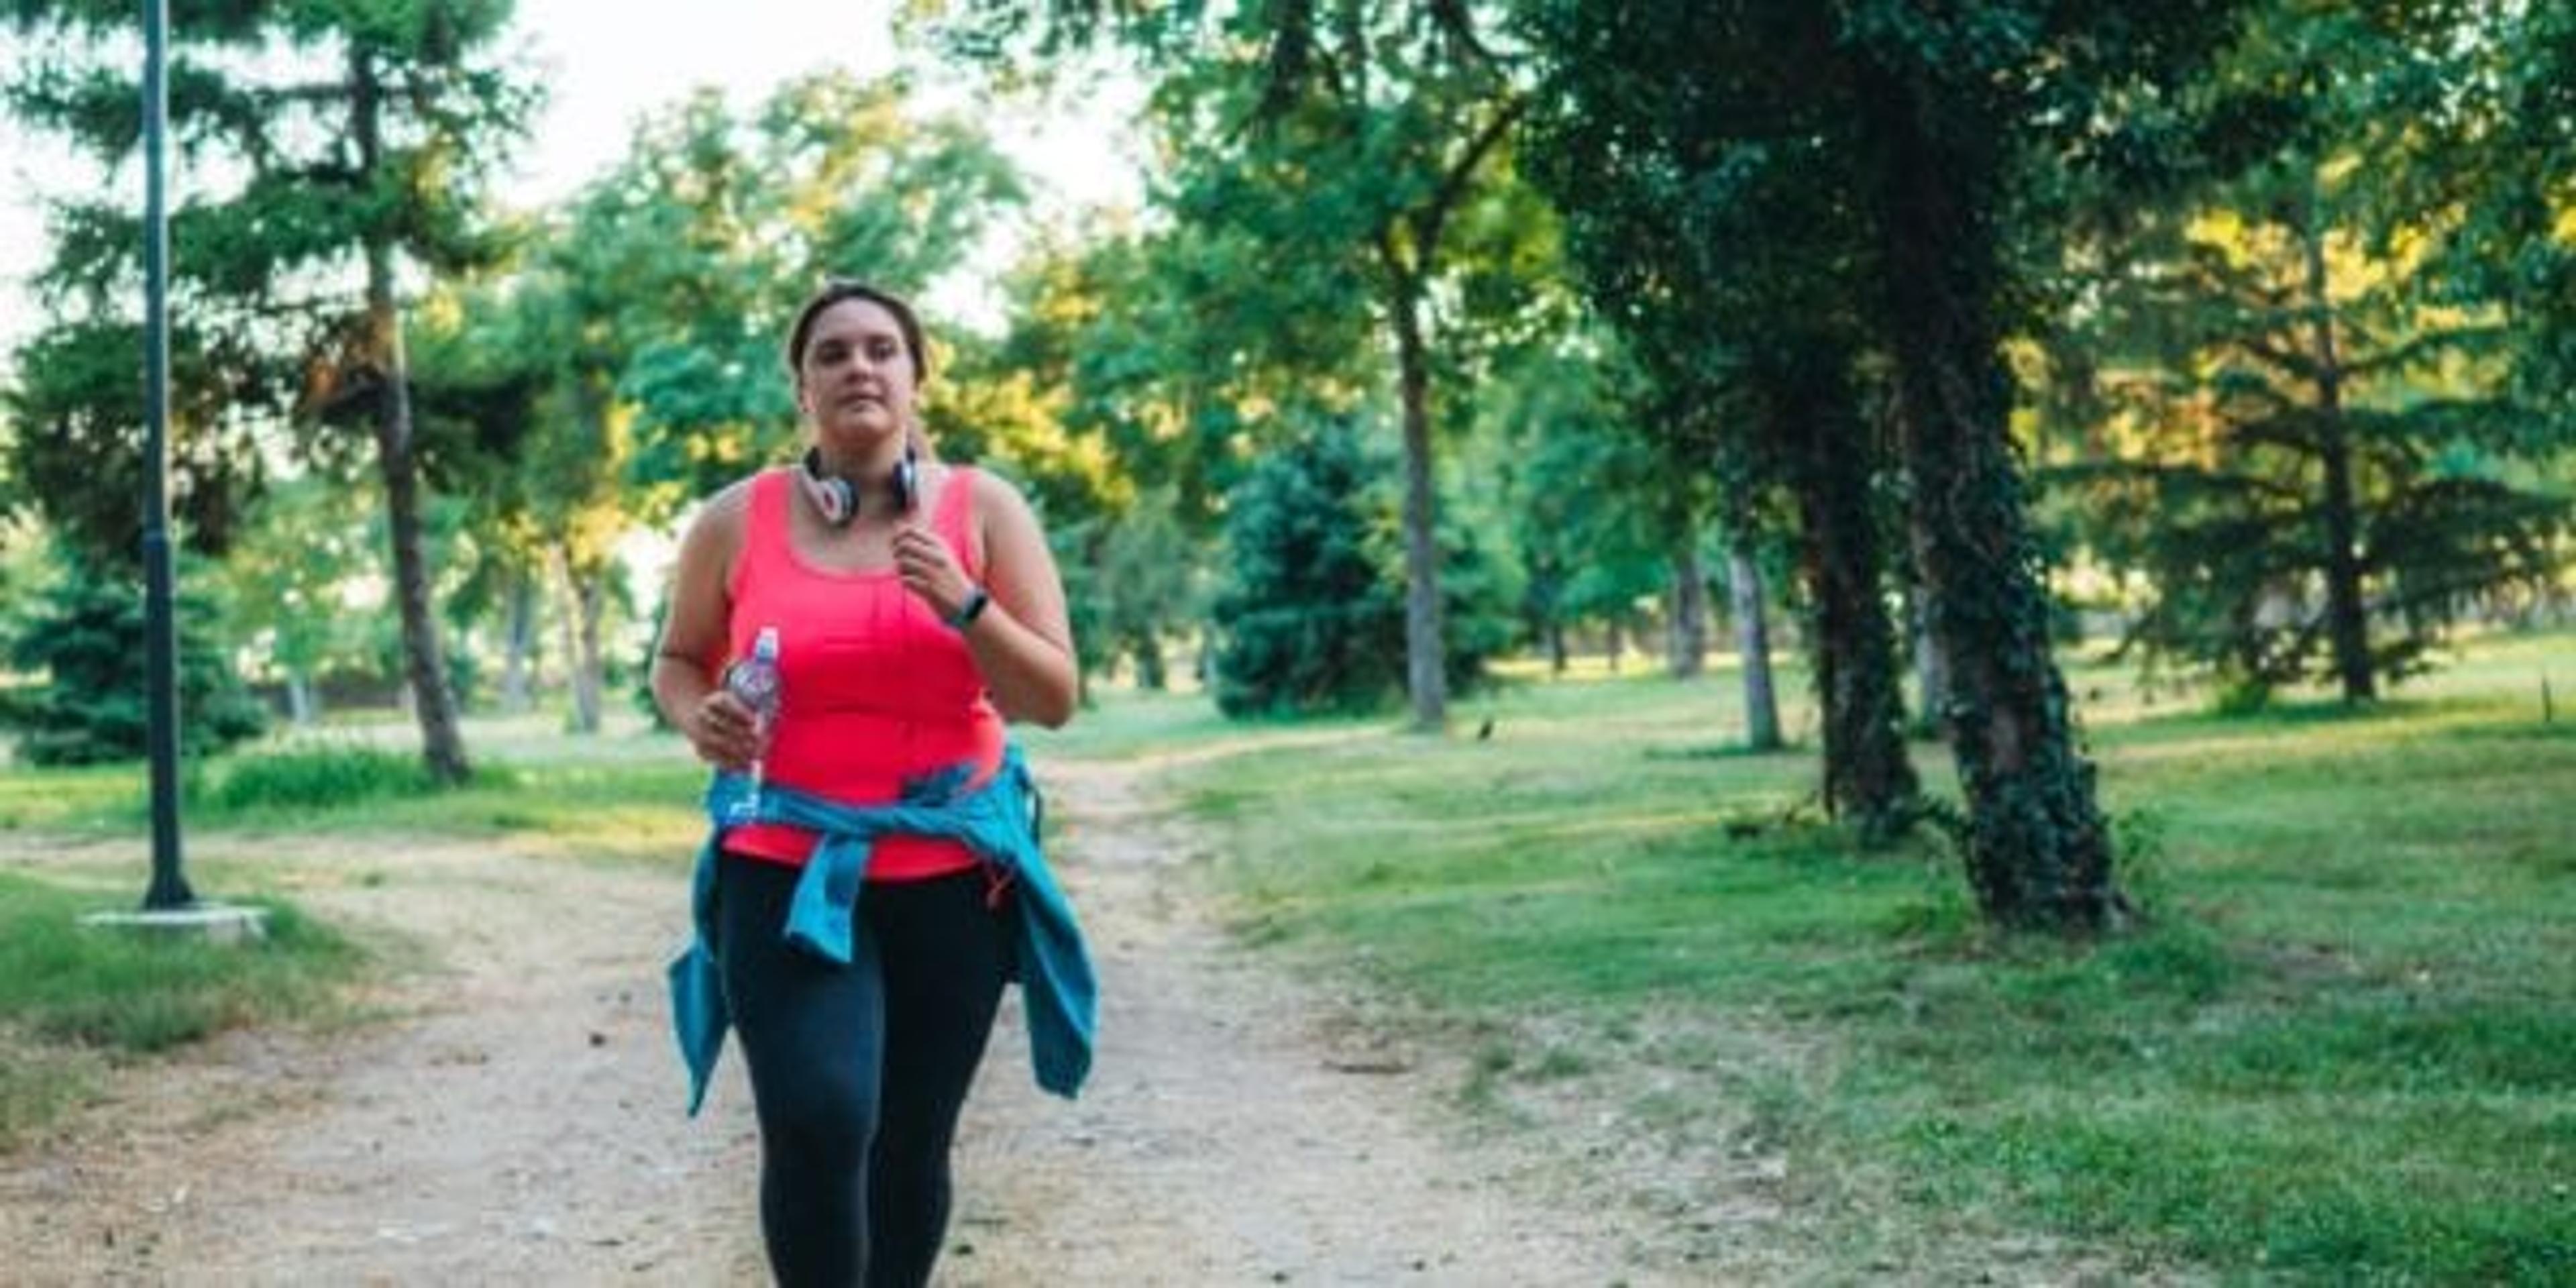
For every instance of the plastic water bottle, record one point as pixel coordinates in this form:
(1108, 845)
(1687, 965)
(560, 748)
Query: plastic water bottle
(755, 680)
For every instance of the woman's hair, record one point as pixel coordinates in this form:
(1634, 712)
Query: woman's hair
(835, 290)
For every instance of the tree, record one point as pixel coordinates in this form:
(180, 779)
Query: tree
(78, 457)
(363, 131)
(284, 581)
(706, 237)
(1375, 137)
(2297, 434)
(1311, 613)
(1914, 140)
(1307, 621)
(2307, 499)
(1954, 111)
(87, 640)
(1706, 173)
(517, 373)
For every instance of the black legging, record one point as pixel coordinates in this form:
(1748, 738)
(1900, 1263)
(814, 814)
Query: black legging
(859, 1072)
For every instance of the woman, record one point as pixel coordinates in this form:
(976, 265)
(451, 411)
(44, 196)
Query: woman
(916, 608)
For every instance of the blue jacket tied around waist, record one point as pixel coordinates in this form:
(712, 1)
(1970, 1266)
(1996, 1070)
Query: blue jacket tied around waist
(998, 821)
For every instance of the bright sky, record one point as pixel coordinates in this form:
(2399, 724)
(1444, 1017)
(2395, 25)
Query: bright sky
(605, 64)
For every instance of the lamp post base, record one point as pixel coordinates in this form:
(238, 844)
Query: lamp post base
(216, 923)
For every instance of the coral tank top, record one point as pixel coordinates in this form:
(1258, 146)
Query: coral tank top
(876, 689)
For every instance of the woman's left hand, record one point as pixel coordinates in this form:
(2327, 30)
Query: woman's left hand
(930, 570)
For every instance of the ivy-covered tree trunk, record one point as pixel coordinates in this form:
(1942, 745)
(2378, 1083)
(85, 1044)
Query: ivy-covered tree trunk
(1753, 645)
(2347, 616)
(2038, 853)
(1868, 779)
(424, 665)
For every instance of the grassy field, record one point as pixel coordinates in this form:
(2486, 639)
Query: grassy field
(2344, 1048)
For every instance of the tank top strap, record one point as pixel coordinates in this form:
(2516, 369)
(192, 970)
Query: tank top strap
(955, 519)
(764, 529)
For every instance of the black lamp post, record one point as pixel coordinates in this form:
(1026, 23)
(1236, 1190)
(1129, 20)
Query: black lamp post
(169, 890)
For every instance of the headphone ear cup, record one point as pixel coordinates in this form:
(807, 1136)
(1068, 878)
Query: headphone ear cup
(907, 482)
(833, 496)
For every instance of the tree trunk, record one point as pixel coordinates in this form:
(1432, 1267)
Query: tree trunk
(1689, 633)
(2347, 615)
(1556, 658)
(424, 665)
(585, 599)
(1406, 274)
(1425, 664)
(302, 706)
(2038, 853)
(1868, 779)
(520, 652)
(1151, 675)
(1753, 644)
(568, 621)
(1931, 666)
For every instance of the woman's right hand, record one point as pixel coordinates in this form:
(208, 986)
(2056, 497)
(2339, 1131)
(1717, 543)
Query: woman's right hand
(723, 731)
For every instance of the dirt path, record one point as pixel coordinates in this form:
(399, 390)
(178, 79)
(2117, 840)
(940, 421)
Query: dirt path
(1233, 1133)
(518, 1123)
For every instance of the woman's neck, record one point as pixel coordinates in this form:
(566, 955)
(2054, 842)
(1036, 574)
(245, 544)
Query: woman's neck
(867, 469)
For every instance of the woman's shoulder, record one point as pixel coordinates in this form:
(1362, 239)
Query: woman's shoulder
(991, 492)
(733, 500)
(723, 516)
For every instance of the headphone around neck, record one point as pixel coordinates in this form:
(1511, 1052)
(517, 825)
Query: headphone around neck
(838, 498)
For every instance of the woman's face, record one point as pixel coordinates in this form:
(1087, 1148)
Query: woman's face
(855, 382)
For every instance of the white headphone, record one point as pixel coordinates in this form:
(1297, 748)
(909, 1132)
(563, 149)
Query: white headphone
(838, 498)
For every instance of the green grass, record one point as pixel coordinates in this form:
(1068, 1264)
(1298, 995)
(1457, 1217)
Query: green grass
(624, 795)
(2343, 1050)
(74, 999)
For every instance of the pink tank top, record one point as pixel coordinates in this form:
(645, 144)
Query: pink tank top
(877, 689)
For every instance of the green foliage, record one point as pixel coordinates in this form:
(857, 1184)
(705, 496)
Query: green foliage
(313, 777)
(674, 278)
(2473, 140)
(1378, 143)
(1310, 616)
(2280, 417)
(87, 641)
(1147, 585)
(78, 453)
(1558, 441)
(284, 578)
(344, 144)
(1308, 620)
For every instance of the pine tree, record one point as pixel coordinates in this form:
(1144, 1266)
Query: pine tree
(362, 131)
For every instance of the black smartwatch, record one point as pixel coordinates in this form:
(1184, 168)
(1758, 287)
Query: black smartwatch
(967, 612)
